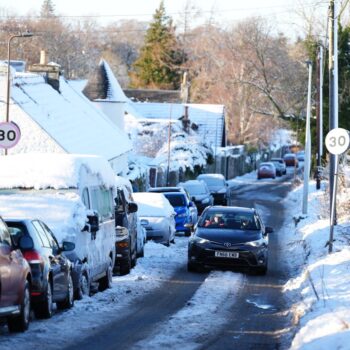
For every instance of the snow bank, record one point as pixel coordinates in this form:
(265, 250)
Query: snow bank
(323, 279)
(40, 171)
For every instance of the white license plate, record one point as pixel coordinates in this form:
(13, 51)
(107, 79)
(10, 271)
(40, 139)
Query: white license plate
(221, 254)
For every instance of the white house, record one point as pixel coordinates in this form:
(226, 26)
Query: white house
(208, 119)
(58, 118)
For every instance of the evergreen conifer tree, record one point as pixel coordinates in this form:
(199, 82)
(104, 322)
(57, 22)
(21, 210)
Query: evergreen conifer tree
(47, 9)
(158, 65)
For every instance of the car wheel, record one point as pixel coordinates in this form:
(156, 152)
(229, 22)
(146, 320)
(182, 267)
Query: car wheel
(84, 287)
(192, 267)
(68, 302)
(142, 253)
(106, 281)
(125, 266)
(261, 271)
(134, 257)
(20, 323)
(44, 309)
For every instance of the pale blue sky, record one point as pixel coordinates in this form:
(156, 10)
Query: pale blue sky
(280, 12)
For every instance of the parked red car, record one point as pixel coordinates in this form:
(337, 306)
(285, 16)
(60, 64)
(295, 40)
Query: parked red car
(266, 170)
(15, 282)
(291, 159)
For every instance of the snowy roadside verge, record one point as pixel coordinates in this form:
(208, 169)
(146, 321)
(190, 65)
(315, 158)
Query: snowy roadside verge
(322, 279)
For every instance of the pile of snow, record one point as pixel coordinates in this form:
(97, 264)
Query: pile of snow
(57, 171)
(153, 204)
(324, 279)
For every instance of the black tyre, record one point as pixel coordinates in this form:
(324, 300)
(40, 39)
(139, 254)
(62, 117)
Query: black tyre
(68, 302)
(125, 265)
(134, 257)
(44, 309)
(84, 287)
(142, 253)
(192, 267)
(261, 271)
(106, 281)
(20, 323)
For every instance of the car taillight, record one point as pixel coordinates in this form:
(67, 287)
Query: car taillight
(32, 256)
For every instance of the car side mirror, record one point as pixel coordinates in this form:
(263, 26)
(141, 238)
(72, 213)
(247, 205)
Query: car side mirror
(190, 204)
(93, 224)
(26, 243)
(132, 207)
(67, 246)
(268, 229)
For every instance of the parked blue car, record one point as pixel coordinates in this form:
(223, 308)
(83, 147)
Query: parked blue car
(181, 206)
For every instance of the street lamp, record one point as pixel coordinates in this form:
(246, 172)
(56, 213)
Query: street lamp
(21, 35)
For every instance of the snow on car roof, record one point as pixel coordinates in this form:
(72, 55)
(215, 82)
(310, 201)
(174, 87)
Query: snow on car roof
(153, 204)
(58, 171)
(64, 213)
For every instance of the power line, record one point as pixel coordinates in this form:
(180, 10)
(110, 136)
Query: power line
(252, 9)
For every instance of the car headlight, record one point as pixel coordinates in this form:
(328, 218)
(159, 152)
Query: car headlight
(183, 215)
(205, 200)
(200, 240)
(121, 231)
(257, 243)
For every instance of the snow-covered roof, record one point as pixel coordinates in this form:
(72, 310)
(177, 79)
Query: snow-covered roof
(58, 171)
(208, 117)
(68, 117)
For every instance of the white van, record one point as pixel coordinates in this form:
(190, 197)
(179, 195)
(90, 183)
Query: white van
(74, 196)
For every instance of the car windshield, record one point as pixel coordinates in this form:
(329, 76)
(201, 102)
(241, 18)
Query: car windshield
(230, 220)
(176, 200)
(195, 189)
(212, 181)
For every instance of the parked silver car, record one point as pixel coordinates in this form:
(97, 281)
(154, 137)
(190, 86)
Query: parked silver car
(157, 216)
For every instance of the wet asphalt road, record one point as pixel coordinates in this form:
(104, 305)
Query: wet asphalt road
(260, 317)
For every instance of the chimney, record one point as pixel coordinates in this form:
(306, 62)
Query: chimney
(51, 72)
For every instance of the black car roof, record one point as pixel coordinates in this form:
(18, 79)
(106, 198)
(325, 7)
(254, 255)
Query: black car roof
(166, 189)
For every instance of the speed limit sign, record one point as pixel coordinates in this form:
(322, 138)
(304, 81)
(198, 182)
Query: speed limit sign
(9, 134)
(337, 141)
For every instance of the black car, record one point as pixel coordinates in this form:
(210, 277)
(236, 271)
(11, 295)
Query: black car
(199, 192)
(218, 187)
(229, 237)
(126, 233)
(51, 270)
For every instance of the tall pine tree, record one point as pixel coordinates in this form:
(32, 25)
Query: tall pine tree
(158, 65)
(47, 9)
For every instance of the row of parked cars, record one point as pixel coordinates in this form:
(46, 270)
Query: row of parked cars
(68, 223)
(278, 166)
(165, 211)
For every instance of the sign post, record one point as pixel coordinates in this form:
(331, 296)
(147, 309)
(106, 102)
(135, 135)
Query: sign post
(337, 142)
(10, 135)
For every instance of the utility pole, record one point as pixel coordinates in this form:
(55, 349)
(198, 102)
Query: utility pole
(169, 138)
(319, 115)
(333, 93)
(307, 144)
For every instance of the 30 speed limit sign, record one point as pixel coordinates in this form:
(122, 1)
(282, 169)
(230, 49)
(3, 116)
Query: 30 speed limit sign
(337, 141)
(9, 134)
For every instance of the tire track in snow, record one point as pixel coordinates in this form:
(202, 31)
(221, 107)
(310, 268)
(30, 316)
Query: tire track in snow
(204, 314)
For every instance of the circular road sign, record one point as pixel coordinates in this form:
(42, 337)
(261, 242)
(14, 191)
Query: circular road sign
(10, 134)
(337, 141)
